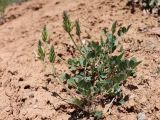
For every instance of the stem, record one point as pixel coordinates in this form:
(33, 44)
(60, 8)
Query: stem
(44, 66)
(111, 103)
(53, 70)
(76, 45)
(62, 60)
(58, 79)
(85, 71)
(82, 43)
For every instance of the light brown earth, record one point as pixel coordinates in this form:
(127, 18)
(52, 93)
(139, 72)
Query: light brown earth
(26, 90)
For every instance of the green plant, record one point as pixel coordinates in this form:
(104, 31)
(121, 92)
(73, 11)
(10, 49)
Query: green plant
(98, 72)
(146, 4)
(5, 3)
(45, 50)
(150, 4)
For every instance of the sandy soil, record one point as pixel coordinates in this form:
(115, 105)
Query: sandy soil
(26, 91)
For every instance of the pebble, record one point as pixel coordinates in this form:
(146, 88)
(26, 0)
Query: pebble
(141, 116)
(31, 95)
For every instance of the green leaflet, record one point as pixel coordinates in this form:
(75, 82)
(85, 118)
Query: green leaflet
(123, 30)
(76, 102)
(97, 114)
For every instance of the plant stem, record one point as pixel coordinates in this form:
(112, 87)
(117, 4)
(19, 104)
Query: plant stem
(110, 104)
(82, 43)
(53, 70)
(58, 79)
(76, 45)
(44, 65)
(62, 60)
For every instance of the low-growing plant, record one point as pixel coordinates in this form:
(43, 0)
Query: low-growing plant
(5, 3)
(150, 4)
(98, 73)
(146, 5)
(46, 51)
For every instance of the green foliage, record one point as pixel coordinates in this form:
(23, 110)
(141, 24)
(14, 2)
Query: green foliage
(5, 3)
(114, 25)
(146, 4)
(150, 4)
(52, 55)
(76, 102)
(44, 48)
(98, 72)
(44, 34)
(78, 30)
(97, 115)
(67, 25)
(41, 52)
(123, 30)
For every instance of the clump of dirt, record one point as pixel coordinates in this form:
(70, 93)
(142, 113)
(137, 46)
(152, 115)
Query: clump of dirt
(28, 92)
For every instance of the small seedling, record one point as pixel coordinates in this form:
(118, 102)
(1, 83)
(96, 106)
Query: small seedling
(46, 51)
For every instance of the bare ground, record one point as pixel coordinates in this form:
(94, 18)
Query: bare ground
(26, 91)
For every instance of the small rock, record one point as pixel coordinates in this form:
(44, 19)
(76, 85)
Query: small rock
(157, 105)
(141, 116)
(31, 95)
(8, 109)
(35, 106)
(57, 3)
(27, 87)
(20, 79)
(142, 29)
(24, 99)
(151, 44)
(91, 118)
(13, 72)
